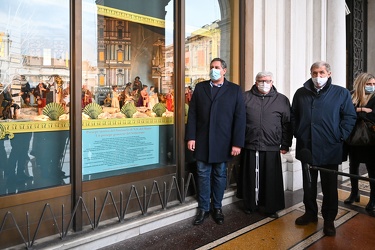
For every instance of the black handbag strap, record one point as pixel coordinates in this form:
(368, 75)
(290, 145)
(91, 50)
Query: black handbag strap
(366, 120)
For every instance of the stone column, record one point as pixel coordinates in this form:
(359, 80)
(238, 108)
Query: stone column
(336, 40)
(336, 50)
(371, 37)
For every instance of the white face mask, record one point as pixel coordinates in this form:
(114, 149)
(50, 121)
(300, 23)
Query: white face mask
(264, 87)
(319, 81)
(215, 74)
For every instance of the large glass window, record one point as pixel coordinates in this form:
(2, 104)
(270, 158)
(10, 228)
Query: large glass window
(208, 34)
(127, 87)
(34, 87)
(207, 37)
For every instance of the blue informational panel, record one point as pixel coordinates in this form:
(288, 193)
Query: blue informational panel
(119, 148)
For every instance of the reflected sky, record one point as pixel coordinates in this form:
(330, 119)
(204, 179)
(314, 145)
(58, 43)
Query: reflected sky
(35, 17)
(26, 20)
(198, 14)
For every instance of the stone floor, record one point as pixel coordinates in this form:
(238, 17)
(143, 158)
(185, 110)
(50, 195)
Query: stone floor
(355, 229)
(172, 228)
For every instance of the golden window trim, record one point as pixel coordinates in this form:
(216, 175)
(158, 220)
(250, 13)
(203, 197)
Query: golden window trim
(47, 126)
(130, 16)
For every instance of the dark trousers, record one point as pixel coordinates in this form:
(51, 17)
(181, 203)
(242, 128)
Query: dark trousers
(329, 189)
(354, 169)
(19, 157)
(371, 174)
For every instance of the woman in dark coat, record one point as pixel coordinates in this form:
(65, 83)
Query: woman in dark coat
(364, 102)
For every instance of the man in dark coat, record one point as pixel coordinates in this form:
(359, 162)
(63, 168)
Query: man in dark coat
(215, 132)
(8, 103)
(26, 90)
(323, 116)
(268, 133)
(137, 84)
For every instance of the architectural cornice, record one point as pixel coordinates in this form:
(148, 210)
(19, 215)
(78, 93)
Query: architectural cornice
(130, 16)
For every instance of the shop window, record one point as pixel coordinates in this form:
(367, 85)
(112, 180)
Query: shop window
(34, 95)
(207, 37)
(128, 127)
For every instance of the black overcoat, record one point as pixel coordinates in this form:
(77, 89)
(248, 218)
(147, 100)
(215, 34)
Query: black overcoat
(216, 124)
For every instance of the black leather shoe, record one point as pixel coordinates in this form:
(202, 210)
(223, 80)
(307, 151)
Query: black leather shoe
(306, 219)
(273, 215)
(329, 228)
(352, 198)
(218, 215)
(199, 218)
(247, 211)
(370, 205)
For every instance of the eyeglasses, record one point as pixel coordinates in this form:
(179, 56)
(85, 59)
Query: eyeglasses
(264, 81)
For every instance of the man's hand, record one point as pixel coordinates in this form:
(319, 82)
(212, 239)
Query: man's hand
(235, 151)
(191, 145)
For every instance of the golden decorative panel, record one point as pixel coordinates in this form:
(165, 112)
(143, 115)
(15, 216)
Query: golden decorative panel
(129, 16)
(44, 126)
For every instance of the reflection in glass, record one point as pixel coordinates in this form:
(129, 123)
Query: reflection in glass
(207, 37)
(130, 41)
(34, 86)
(34, 160)
(34, 50)
(127, 73)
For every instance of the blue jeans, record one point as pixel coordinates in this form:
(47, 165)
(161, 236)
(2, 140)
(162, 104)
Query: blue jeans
(218, 171)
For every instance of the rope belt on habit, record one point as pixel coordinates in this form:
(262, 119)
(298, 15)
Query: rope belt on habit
(256, 177)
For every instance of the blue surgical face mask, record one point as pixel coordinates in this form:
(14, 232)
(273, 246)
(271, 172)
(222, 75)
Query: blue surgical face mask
(369, 89)
(215, 74)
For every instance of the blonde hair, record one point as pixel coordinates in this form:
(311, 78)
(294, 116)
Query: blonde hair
(359, 96)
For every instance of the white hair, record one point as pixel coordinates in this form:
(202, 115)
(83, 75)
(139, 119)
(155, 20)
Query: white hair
(263, 74)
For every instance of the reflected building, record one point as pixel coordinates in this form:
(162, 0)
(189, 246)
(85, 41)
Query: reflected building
(114, 51)
(45, 57)
(200, 47)
(127, 49)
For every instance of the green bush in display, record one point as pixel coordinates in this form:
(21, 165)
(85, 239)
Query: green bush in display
(159, 109)
(93, 110)
(129, 109)
(53, 111)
